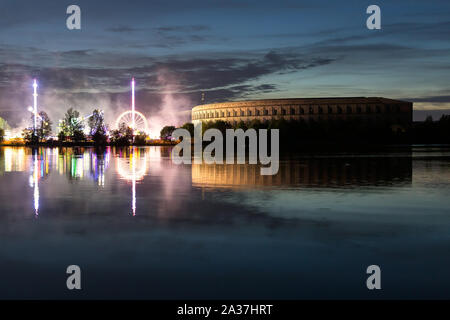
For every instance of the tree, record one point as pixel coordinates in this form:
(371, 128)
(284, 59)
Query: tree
(255, 124)
(97, 127)
(72, 126)
(189, 127)
(219, 124)
(61, 136)
(44, 125)
(166, 132)
(241, 125)
(140, 138)
(29, 136)
(2, 134)
(123, 135)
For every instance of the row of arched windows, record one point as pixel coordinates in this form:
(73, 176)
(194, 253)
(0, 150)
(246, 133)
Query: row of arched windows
(296, 110)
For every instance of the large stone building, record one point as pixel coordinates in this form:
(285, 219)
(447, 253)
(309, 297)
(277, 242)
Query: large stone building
(371, 110)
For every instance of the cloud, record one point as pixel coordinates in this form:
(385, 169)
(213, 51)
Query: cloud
(123, 29)
(167, 88)
(438, 99)
(188, 28)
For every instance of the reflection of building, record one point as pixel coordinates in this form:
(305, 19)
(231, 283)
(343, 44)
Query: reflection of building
(317, 172)
(372, 109)
(13, 159)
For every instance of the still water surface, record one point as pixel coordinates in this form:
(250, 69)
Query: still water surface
(142, 227)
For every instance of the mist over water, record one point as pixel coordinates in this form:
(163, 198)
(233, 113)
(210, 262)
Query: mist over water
(175, 108)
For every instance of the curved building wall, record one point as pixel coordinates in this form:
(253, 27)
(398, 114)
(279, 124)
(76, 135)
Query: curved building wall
(365, 109)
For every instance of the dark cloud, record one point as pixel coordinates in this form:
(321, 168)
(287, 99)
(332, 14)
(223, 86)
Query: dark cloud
(223, 77)
(438, 99)
(192, 73)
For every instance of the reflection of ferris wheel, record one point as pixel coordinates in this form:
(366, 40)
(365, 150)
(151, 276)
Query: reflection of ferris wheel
(140, 122)
(133, 169)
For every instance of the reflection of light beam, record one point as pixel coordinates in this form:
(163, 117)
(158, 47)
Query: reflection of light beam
(131, 173)
(36, 186)
(133, 203)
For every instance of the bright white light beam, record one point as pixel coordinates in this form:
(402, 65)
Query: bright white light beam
(35, 104)
(132, 105)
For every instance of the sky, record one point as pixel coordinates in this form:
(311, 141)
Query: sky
(230, 50)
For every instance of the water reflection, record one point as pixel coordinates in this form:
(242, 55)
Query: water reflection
(131, 165)
(35, 183)
(309, 172)
(259, 236)
(80, 163)
(147, 175)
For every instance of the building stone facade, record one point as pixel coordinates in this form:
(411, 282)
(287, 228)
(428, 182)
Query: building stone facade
(366, 109)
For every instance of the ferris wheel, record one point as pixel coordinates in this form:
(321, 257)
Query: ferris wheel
(140, 122)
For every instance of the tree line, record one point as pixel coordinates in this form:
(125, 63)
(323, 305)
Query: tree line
(292, 133)
(296, 133)
(72, 130)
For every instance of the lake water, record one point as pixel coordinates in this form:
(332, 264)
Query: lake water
(142, 227)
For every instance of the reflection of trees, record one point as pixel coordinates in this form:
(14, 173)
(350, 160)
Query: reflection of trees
(79, 163)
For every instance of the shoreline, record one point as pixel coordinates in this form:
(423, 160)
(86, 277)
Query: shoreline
(87, 144)
(307, 146)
